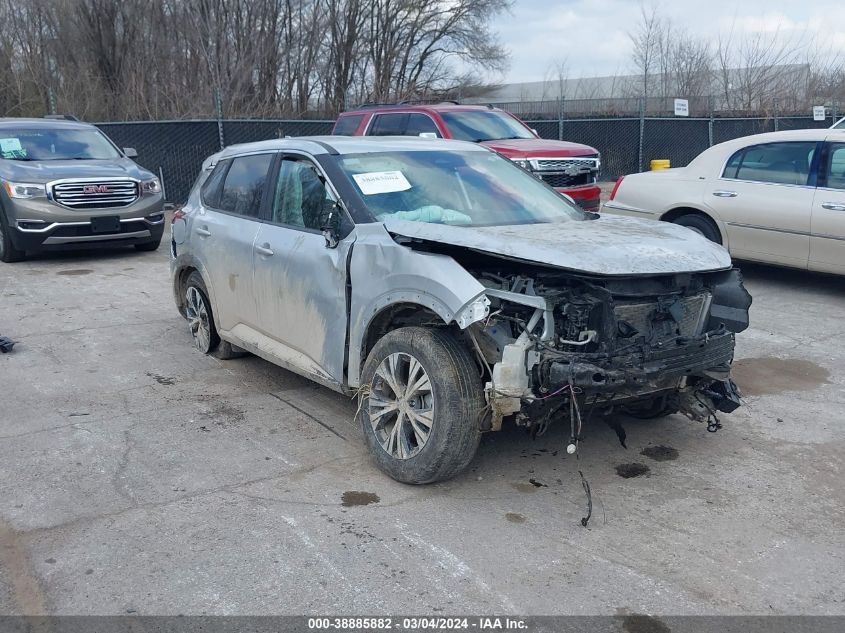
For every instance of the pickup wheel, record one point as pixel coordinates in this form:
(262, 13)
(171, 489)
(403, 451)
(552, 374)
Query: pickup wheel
(700, 224)
(423, 404)
(8, 252)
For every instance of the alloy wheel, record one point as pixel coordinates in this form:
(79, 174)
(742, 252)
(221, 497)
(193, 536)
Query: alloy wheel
(198, 319)
(401, 405)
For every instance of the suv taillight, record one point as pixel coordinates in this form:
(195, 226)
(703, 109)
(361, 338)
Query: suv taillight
(616, 187)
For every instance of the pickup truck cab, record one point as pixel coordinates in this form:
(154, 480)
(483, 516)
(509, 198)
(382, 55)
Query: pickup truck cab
(571, 168)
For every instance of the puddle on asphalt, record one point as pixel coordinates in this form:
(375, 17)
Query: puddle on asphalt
(767, 376)
(660, 453)
(629, 471)
(75, 272)
(515, 517)
(358, 498)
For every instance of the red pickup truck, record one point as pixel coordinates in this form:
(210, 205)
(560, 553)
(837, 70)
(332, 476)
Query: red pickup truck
(570, 168)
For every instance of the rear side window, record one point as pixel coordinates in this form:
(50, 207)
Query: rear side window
(392, 124)
(777, 163)
(243, 186)
(420, 124)
(210, 192)
(346, 125)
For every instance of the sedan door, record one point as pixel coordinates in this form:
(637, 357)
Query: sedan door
(764, 196)
(225, 231)
(300, 283)
(827, 242)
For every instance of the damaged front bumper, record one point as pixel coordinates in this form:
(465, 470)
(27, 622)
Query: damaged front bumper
(670, 352)
(708, 354)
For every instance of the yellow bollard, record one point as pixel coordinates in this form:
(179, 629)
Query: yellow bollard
(661, 163)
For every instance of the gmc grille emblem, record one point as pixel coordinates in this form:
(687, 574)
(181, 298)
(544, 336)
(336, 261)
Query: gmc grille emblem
(95, 189)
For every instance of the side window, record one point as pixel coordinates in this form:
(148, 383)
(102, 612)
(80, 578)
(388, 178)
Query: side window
(778, 163)
(346, 125)
(420, 124)
(244, 185)
(210, 192)
(392, 124)
(301, 198)
(836, 166)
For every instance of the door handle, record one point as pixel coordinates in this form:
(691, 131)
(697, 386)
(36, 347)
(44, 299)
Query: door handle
(833, 206)
(725, 194)
(264, 250)
(201, 230)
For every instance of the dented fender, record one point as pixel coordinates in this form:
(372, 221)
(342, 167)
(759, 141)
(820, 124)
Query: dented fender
(385, 273)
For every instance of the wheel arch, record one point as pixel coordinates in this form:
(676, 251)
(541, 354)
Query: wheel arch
(400, 310)
(676, 212)
(182, 269)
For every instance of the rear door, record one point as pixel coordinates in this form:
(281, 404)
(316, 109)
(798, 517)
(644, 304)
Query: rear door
(300, 284)
(764, 196)
(827, 242)
(225, 232)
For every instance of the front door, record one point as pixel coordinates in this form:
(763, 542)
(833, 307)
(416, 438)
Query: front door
(300, 283)
(764, 196)
(827, 242)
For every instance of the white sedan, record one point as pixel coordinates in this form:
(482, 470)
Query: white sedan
(777, 198)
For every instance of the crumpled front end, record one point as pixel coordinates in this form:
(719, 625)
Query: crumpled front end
(556, 344)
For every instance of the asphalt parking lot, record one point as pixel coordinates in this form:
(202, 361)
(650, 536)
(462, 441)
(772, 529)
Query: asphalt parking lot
(138, 476)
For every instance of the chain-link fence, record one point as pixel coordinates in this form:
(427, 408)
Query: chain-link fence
(175, 149)
(629, 145)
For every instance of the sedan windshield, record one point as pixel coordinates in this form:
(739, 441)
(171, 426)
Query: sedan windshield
(478, 125)
(447, 187)
(55, 144)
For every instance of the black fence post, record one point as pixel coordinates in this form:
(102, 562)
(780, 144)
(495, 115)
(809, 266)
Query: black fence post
(642, 134)
(777, 121)
(560, 102)
(218, 106)
(710, 123)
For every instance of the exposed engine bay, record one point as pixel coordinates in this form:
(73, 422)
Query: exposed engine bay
(556, 344)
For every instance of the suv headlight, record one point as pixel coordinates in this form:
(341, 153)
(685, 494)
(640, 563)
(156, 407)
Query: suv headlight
(151, 186)
(24, 189)
(522, 162)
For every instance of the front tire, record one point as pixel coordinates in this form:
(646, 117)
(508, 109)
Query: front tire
(8, 252)
(148, 246)
(422, 411)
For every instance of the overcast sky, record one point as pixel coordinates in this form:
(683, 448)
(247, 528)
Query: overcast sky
(591, 36)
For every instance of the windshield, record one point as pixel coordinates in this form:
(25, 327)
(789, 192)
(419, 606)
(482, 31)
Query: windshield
(481, 125)
(448, 187)
(56, 144)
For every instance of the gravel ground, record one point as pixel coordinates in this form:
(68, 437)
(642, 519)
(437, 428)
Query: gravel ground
(138, 476)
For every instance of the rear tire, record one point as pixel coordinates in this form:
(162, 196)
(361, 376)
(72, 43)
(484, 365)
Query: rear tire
(148, 246)
(199, 314)
(8, 252)
(701, 225)
(438, 414)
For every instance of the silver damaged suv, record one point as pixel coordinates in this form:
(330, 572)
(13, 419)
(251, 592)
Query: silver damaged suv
(452, 291)
(64, 184)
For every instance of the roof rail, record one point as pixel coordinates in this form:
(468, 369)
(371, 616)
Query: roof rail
(61, 117)
(373, 105)
(431, 101)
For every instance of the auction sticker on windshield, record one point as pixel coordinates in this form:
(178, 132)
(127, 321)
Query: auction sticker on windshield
(381, 182)
(10, 147)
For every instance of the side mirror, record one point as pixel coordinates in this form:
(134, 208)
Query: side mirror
(130, 152)
(330, 226)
